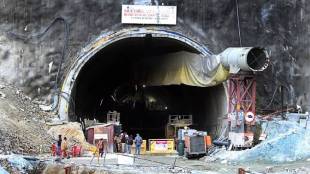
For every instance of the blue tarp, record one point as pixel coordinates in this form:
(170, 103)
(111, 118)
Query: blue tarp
(19, 162)
(2, 171)
(286, 141)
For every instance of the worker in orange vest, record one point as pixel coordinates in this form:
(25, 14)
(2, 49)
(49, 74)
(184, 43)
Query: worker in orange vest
(64, 148)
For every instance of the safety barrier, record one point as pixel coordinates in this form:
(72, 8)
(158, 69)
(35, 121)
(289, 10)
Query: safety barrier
(161, 145)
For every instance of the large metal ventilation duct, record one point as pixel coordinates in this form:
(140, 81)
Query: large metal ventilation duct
(244, 58)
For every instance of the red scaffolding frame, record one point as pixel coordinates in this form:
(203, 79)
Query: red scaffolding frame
(242, 92)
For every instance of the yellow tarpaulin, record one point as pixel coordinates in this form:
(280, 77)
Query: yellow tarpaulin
(182, 68)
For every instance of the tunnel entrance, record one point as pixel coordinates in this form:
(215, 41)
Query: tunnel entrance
(109, 82)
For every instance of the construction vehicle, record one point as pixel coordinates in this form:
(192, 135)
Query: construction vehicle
(195, 145)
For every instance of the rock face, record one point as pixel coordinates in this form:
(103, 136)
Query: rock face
(32, 42)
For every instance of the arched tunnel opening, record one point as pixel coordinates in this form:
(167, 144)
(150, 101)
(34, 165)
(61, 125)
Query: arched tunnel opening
(110, 81)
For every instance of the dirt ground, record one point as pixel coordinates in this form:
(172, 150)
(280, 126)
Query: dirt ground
(174, 164)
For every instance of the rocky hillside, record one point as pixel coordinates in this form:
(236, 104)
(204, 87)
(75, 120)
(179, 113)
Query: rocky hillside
(23, 128)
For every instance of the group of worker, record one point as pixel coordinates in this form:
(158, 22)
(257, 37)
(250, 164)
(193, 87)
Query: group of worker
(60, 149)
(123, 143)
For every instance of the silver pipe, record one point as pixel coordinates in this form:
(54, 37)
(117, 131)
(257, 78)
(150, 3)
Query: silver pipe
(244, 58)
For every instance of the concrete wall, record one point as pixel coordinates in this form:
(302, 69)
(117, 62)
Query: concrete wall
(282, 26)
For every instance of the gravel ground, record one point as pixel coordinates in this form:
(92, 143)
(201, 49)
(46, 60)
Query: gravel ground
(164, 164)
(23, 128)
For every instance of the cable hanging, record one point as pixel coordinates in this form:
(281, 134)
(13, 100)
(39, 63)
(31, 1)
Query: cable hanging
(63, 52)
(238, 20)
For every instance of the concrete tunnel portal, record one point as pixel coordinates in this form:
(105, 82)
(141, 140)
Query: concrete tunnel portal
(107, 80)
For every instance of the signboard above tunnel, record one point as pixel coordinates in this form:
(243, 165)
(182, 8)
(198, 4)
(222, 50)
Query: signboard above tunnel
(146, 14)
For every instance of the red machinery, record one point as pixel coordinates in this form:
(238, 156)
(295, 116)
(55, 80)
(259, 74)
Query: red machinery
(76, 151)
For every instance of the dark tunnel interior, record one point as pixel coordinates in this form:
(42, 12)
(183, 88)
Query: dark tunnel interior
(107, 83)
